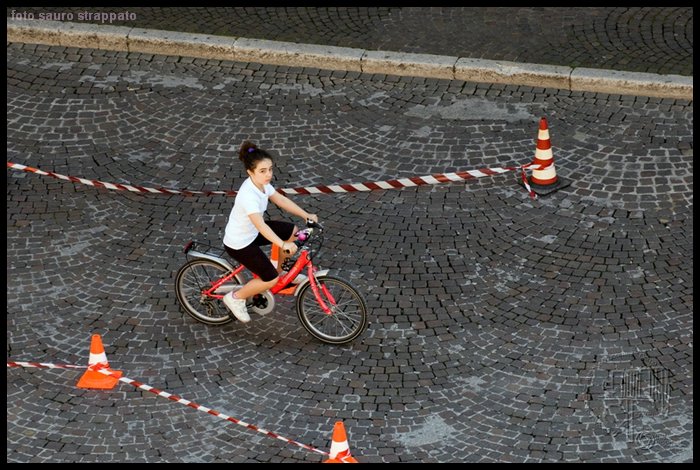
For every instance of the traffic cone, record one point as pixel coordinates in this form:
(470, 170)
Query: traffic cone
(340, 449)
(545, 180)
(92, 378)
(275, 255)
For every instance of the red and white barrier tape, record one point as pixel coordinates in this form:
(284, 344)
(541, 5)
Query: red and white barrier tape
(115, 186)
(43, 365)
(437, 178)
(175, 398)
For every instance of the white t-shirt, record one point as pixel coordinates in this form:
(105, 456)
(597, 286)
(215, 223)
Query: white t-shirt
(240, 231)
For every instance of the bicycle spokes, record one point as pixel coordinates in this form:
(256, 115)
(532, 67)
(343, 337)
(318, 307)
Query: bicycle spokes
(328, 295)
(221, 286)
(200, 284)
(332, 310)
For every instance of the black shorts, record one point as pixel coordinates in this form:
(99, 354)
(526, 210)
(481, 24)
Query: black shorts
(253, 258)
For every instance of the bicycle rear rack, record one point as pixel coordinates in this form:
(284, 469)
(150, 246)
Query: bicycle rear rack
(205, 248)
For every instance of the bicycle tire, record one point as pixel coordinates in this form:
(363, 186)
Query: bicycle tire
(191, 279)
(349, 317)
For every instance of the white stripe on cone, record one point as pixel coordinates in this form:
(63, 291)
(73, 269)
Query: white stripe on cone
(100, 358)
(339, 448)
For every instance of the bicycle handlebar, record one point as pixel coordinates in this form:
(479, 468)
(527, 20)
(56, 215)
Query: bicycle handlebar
(311, 225)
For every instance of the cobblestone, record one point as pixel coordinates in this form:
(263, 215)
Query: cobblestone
(496, 321)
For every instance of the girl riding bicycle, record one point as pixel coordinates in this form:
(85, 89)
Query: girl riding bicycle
(246, 230)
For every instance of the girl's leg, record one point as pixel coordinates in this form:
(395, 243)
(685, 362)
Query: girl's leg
(257, 262)
(253, 287)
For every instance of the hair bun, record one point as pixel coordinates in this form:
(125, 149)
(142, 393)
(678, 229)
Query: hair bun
(246, 148)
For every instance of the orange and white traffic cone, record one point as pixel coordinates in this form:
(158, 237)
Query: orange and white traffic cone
(340, 449)
(545, 180)
(93, 379)
(275, 255)
(544, 158)
(275, 260)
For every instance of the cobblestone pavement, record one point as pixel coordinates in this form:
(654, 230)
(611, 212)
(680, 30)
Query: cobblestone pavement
(639, 39)
(502, 329)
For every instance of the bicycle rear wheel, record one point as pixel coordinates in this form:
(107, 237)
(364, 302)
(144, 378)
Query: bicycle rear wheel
(347, 319)
(194, 277)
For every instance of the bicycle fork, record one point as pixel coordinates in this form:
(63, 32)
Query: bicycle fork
(317, 293)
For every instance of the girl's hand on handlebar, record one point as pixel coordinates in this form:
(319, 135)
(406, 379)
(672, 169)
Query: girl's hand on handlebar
(289, 247)
(312, 217)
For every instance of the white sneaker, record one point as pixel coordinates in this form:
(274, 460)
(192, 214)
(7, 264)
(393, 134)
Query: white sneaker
(237, 307)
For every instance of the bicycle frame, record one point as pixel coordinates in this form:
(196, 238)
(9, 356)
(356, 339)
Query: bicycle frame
(282, 283)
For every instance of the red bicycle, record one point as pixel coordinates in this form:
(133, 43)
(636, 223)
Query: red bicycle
(330, 308)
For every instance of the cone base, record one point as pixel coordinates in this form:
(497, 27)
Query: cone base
(541, 190)
(347, 460)
(96, 380)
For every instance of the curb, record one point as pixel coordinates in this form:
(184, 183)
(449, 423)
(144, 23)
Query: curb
(151, 41)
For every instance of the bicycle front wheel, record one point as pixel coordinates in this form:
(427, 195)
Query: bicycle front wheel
(195, 277)
(347, 318)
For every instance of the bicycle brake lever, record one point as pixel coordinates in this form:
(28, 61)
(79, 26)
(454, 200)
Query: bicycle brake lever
(311, 224)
